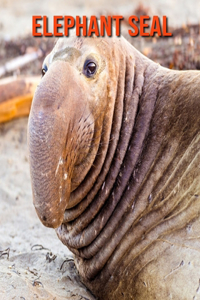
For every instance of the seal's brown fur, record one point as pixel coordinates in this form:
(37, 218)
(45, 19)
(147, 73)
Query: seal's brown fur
(115, 165)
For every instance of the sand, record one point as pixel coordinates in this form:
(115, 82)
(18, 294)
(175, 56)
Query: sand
(29, 273)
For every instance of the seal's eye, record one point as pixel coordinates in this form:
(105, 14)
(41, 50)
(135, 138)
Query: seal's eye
(90, 68)
(44, 70)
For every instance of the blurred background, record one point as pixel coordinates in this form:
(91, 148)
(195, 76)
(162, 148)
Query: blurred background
(33, 262)
(179, 52)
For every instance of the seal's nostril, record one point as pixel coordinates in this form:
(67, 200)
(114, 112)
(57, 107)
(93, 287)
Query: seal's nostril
(44, 218)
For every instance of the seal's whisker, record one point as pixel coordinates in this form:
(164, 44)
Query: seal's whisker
(98, 116)
(100, 144)
(90, 113)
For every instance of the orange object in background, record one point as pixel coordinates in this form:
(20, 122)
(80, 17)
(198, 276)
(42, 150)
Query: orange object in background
(16, 97)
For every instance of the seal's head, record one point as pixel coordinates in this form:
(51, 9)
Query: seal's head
(66, 120)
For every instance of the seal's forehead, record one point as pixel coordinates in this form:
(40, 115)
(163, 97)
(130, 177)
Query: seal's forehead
(81, 43)
(62, 43)
(72, 47)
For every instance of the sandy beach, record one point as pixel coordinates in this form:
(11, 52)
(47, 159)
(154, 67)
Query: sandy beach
(38, 265)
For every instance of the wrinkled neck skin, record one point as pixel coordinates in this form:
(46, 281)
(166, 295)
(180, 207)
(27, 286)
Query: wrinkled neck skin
(115, 163)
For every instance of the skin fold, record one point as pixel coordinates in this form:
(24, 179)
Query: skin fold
(114, 148)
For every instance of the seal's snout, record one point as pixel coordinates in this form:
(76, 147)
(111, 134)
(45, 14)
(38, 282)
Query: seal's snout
(54, 137)
(51, 188)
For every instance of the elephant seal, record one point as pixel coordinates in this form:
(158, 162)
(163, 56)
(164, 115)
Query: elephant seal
(114, 146)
